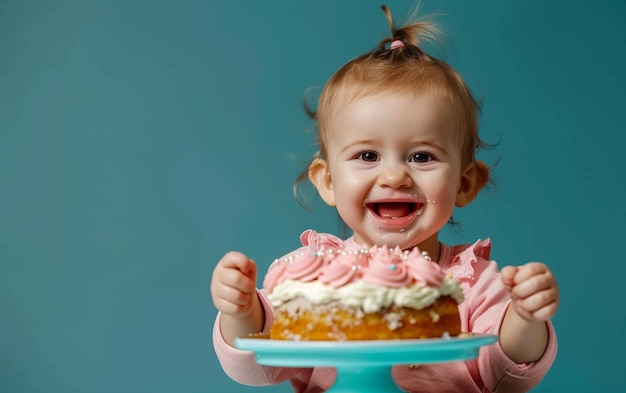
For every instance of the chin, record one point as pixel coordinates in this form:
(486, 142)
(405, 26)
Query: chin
(405, 239)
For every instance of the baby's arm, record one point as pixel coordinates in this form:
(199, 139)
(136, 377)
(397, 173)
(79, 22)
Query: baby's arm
(233, 289)
(534, 300)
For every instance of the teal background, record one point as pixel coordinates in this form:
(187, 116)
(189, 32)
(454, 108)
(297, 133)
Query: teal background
(141, 140)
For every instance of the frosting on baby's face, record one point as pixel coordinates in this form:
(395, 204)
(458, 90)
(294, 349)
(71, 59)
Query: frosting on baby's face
(392, 168)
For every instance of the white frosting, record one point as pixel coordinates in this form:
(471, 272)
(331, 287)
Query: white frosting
(366, 296)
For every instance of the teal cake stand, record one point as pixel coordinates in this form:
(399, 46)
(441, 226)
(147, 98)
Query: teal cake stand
(364, 366)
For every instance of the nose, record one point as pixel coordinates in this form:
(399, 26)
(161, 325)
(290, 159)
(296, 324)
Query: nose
(394, 175)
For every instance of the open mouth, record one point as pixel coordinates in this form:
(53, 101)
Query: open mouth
(395, 210)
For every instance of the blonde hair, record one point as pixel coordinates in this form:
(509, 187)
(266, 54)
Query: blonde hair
(403, 68)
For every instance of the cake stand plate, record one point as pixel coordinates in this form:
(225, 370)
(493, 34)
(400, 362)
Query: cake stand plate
(364, 366)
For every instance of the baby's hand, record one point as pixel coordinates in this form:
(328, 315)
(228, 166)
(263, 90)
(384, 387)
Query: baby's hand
(233, 285)
(533, 290)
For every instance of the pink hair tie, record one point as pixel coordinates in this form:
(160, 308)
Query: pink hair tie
(396, 44)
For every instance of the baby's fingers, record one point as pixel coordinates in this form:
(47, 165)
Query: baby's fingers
(540, 305)
(230, 300)
(235, 279)
(233, 284)
(238, 261)
(507, 275)
(532, 278)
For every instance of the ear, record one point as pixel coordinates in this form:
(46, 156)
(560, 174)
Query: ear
(319, 175)
(473, 180)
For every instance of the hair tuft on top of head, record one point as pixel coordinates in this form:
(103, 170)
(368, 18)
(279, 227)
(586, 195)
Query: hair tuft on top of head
(414, 34)
(392, 25)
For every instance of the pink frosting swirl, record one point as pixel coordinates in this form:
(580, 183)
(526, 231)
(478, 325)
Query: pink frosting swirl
(386, 268)
(339, 264)
(275, 274)
(343, 269)
(304, 267)
(423, 270)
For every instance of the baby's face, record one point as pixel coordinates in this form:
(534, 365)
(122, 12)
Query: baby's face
(395, 168)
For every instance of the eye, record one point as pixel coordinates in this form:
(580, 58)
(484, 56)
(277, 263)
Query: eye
(368, 156)
(421, 157)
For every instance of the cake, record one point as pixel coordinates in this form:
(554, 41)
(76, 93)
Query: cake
(377, 293)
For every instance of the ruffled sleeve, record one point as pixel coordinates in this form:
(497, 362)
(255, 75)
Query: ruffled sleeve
(465, 258)
(483, 311)
(317, 240)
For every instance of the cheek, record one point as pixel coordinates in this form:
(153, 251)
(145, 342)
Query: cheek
(442, 191)
(345, 180)
(349, 189)
(347, 192)
(440, 198)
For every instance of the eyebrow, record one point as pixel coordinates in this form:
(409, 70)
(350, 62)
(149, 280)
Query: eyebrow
(351, 144)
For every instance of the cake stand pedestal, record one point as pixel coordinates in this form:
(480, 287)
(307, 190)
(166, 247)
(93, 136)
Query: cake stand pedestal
(364, 366)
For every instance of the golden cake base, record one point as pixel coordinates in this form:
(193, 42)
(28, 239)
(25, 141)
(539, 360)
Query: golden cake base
(335, 323)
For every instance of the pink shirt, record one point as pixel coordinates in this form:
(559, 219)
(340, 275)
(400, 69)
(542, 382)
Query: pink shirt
(482, 311)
